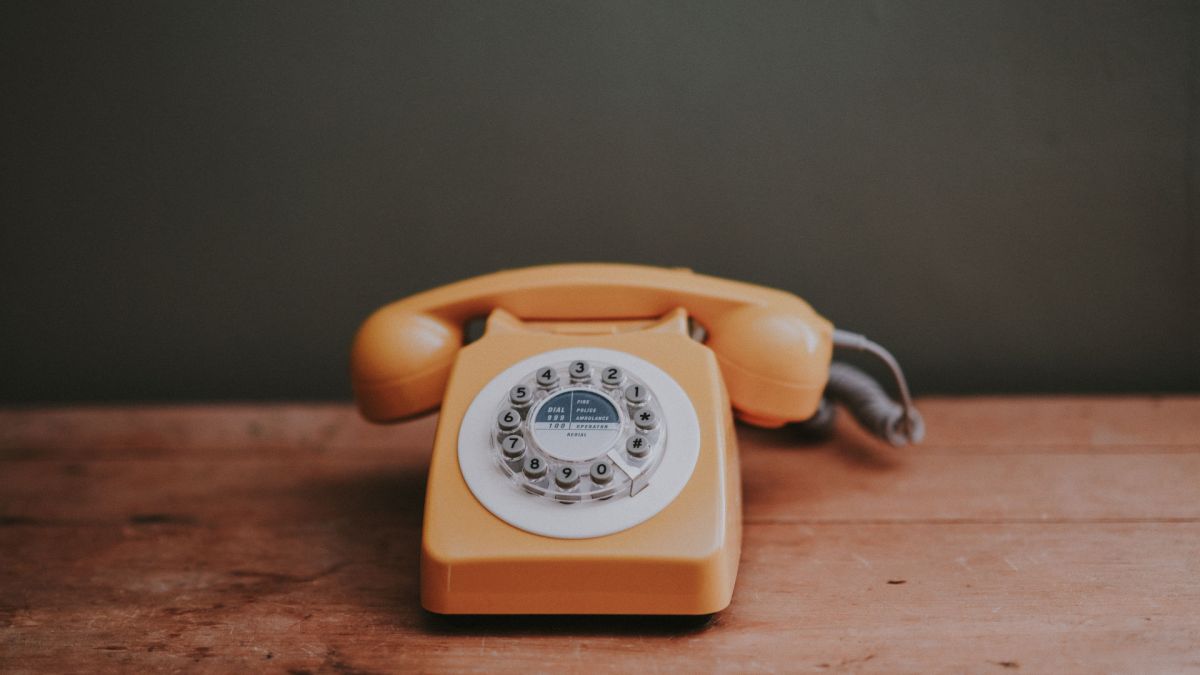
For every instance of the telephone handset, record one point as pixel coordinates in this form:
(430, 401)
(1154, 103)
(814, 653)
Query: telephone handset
(585, 459)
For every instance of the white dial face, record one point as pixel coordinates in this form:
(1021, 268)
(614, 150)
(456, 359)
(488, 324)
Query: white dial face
(578, 443)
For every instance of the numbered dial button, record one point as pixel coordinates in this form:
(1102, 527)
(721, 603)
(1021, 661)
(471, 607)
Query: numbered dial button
(601, 473)
(547, 377)
(636, 393)
(508, 419)
(520, 395)
(612, 376)
(534, 467)
(580, 371)
(513, 446)
(566, 477)
(638, 446)
(645, 418)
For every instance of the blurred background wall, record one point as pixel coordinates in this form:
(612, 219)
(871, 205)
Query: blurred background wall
(201, 200)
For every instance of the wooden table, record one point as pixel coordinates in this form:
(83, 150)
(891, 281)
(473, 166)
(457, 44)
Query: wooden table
(1039, 535)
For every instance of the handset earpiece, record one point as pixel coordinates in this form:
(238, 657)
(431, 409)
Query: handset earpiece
(775, 358)
(400, 362)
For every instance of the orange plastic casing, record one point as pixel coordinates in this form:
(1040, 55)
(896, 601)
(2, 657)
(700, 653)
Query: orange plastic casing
(767, 356)
(681, 561)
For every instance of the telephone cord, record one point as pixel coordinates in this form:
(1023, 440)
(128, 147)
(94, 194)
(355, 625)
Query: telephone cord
(898, 424)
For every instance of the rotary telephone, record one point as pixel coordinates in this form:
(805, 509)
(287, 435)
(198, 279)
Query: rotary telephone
(585, 460)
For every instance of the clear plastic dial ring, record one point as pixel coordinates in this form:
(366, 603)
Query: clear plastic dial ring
(583, 433)
(527, 479)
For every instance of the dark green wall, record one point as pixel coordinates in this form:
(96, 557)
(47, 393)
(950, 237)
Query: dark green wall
(201, 200)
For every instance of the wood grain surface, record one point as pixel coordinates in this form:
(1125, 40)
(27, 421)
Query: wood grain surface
(1026, 535)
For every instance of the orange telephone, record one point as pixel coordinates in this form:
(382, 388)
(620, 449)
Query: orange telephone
(585, 460)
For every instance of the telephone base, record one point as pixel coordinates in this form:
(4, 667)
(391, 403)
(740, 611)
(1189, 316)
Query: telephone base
(681, 560)
(594, 586)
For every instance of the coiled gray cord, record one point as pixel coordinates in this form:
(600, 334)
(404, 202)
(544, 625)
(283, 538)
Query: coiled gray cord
(896, 423)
